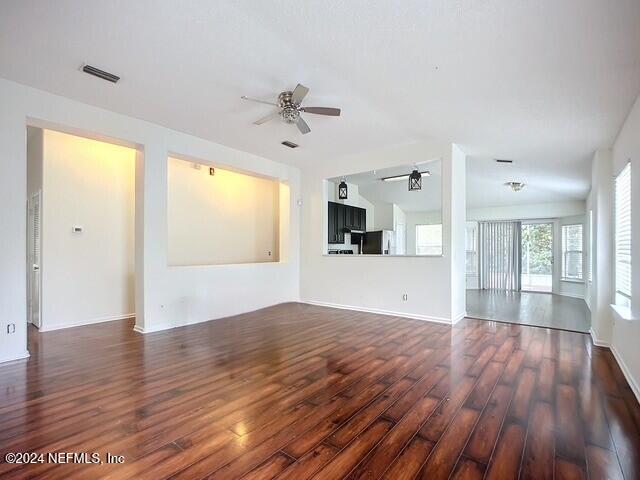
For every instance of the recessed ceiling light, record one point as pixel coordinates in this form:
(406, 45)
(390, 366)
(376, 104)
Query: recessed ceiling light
(515, 186)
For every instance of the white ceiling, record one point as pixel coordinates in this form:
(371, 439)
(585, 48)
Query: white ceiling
(542, 82)
(545, 182)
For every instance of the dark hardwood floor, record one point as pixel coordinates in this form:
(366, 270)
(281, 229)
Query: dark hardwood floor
(296, 391)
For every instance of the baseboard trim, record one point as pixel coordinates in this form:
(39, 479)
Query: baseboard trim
(596, 341)
(15, 358)
(161, 328)
(570, 295)
(93, 321)
(379, 311)
(627, 373)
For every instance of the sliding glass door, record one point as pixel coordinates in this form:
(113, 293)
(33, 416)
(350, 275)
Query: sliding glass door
(537, 257)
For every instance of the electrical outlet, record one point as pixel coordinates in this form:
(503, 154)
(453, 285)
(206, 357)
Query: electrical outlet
(405, 297)
(11, 328)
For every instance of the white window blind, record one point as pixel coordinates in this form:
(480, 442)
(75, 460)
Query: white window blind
(471, 248)
(429, 239)
(623, 232)
(572, 252)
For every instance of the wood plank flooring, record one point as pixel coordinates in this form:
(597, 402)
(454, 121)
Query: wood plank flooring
(530, 308)
(303, 392)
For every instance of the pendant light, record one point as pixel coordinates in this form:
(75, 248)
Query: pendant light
(415, 180)
(342, 190)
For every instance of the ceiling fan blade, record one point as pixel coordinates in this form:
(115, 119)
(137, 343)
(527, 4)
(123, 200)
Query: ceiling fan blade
(298, 94)
(302, 126)
(334, 112)
(271, 116)
(244, 97)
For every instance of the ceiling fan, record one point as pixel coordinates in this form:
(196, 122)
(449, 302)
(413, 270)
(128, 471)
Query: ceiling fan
(289, 108)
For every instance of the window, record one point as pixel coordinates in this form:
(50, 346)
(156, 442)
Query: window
(623, 236)
(572, 252)
(471, 249)
(429, 239)
(590, 266)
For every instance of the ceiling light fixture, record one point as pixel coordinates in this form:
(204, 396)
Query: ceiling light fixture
(397, 178)
(515, 186)
(342, 190)
(415, 180)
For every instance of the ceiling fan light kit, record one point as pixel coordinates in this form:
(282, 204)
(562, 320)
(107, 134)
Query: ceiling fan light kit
(289, 109)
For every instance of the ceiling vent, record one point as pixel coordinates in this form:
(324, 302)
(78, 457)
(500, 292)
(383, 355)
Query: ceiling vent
(503, 161)
(96, 72)
(289, 144)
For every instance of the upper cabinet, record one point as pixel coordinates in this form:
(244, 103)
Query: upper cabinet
(342, 218)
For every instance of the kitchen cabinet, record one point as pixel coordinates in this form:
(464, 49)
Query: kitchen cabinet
(342, 218)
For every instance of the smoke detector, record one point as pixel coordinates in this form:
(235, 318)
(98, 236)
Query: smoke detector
(515, 186)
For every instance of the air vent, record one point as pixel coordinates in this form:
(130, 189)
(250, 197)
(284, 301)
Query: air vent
(503, 161)
(289, 144)
(96, 72)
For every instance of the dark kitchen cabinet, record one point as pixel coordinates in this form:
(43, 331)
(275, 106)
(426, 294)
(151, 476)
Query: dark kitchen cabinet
(336, 219)
(343, 218)
(341, 212)
(333, 223)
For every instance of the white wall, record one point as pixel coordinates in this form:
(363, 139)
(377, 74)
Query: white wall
(457, 202)
(87, 277)
(165, 296)
(226, 218)
(400, 229)
(626, 333)
(600, 200)
(376, 283)
(384, 216)
(34, 160)
(567, 287)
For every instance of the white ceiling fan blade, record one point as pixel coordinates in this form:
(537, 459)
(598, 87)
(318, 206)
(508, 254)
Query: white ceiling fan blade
(334, 112)
(302, 126)
(244, 97)
(298, 94)
(271, 116)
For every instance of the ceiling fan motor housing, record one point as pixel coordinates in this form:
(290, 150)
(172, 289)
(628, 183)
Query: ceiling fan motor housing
(290, 112)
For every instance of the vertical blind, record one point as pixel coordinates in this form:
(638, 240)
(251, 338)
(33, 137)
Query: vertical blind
(572, 252)
(500, 262)
(623, 231)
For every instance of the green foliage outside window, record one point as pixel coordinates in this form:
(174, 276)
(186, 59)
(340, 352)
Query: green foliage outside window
(537, 251)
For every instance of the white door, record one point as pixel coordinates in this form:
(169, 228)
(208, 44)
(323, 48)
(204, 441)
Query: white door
(34, 258)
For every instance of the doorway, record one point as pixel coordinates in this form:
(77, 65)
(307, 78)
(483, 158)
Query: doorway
(80, 206)
(537, 257)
